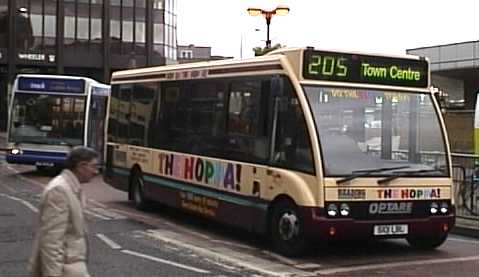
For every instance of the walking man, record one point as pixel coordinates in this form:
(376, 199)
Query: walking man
(60, 247)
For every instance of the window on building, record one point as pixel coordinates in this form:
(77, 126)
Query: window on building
(158, 4)
(186, 54)
(24, 28)
(3, 23)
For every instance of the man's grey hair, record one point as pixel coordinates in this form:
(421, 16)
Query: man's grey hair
(80, 154)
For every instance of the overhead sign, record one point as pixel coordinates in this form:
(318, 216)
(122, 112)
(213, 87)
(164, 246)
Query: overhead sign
(51, 85)
(37, 57)
(356, 68)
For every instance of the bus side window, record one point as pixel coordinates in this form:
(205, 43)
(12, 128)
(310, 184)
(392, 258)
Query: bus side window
(247, 137)
(113, 114)
(172, 121)
(292, 148)
(142, 101)
(124, 112)
(207, 116)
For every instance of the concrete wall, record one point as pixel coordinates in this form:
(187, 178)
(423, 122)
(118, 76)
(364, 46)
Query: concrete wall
(460, 129)
(450, 56)
(453, 87)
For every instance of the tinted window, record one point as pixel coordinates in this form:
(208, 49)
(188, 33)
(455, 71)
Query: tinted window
(114, 113)
(292, 144)
(3, 23)
(224, 118)
(247, 137)
(191, 116)
(123, 112)
(141, 108)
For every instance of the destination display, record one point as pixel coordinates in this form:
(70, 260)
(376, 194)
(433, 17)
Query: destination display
(356, 68)
(51, 85)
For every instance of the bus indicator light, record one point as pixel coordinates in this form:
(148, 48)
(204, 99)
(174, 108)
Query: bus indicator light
(445, 227)
(332, 231)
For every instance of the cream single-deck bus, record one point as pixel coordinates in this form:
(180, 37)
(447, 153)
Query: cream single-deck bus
(301, 144)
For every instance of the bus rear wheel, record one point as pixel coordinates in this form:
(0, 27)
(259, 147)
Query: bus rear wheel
(287, 232)
(427, 242)
(137, 191)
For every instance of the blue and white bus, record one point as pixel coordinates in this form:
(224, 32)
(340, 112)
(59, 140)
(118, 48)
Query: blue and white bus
(50, 114)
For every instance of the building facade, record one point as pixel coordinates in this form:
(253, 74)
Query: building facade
(192, 53)
(83, 37)
(455, 72)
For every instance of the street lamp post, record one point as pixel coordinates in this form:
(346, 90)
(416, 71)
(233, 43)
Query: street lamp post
(280, 10)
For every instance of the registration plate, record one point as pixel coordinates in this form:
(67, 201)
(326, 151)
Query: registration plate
(387, 230)
(44, 164)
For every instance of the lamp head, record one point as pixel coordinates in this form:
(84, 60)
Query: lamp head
(254, 11)
(282, 10)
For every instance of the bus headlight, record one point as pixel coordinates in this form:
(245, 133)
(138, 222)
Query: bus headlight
(16, 151)
(344, 209)
(444, 208)
(332, 210)
(434, 208)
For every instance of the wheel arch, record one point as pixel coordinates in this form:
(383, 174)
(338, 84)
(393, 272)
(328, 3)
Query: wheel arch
(279, 198)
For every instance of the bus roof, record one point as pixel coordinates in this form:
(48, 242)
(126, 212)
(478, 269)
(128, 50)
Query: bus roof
(54, 76)
(284, 60)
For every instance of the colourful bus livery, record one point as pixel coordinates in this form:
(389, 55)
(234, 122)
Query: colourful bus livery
(301, 145)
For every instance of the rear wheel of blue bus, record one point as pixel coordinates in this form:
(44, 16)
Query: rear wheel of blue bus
(48, 170)
(287, 229)
(137, 187)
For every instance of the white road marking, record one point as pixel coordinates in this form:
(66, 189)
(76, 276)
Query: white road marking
(336, 270)
(233, 257)
(280, 258)
(106, 213)
(12, 190)
(26, 203)
(109, 242)
(155, 259)
(308, 266)
(26, 179)
(93, 214)
(96, 203)
(463, 240)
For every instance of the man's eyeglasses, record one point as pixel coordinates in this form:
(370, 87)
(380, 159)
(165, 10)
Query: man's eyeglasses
(97, 166)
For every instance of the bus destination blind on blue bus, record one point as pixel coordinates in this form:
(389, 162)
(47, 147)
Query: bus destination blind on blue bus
(356, 68)
(51, 85)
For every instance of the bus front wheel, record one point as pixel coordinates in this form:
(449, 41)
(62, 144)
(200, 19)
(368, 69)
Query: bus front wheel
(427, 242)
(137, 190)
(287, 229)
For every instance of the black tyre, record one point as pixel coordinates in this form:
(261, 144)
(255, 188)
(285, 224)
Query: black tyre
(48, 170)
(137, 191)
(427, 242)
(287, 229)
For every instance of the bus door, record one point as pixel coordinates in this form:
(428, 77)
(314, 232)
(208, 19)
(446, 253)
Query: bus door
(290, 143)
(96, 120)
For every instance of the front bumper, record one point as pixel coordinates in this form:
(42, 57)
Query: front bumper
(318, 226)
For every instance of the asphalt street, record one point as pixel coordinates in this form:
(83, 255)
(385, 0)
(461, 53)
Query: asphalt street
(119, 246)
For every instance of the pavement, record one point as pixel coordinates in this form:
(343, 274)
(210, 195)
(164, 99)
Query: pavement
(465, 225)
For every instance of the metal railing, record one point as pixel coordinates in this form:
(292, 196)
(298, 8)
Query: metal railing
(465, 172)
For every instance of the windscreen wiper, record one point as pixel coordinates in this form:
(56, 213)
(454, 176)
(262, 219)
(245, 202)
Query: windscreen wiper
(397, 174)
(367, 172)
